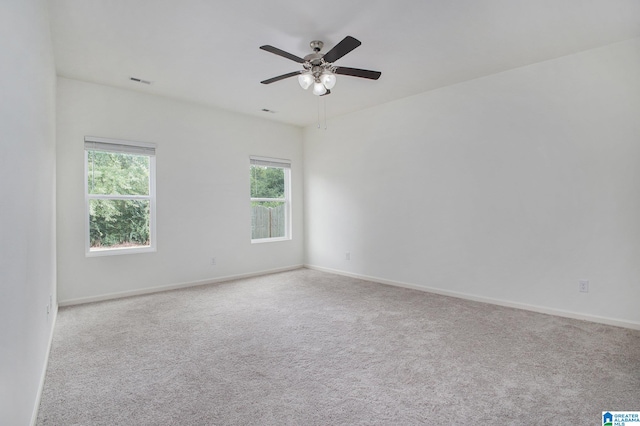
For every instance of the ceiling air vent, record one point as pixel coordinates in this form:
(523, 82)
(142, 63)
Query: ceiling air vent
(139, 80)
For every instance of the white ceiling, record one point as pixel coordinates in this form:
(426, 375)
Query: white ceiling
(207, 51)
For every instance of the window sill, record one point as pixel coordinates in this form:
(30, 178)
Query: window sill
(270, 240)
(120, 251)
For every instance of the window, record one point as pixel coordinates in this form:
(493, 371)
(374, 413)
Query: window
(119, 196)
(270, 199)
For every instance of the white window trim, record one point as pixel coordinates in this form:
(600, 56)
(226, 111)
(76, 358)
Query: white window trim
(286, 165)
(117, 145)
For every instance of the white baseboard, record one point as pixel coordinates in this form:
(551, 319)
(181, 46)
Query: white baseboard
(36, 407)
(540, 309)
(149, 290)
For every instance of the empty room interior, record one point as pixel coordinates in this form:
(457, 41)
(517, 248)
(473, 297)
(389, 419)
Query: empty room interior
(364, 212)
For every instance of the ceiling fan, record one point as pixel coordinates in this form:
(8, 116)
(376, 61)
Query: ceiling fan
(319, 69)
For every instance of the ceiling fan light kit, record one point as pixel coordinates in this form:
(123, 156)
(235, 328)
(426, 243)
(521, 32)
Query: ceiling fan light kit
(319, 69)
(319, 89)
(305, 80)
(329, 80)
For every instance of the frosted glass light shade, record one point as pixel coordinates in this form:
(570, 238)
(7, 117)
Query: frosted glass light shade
(305, 80)
(329, 80)
(319, 89)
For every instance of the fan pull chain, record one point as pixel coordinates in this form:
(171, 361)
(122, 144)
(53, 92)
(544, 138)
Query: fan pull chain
(324, 101)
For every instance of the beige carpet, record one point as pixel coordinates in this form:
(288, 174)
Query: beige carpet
(311, 348)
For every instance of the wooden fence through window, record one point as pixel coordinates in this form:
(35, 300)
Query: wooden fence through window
(267, 222)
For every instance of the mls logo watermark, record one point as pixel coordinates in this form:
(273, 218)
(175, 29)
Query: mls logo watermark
(620, 418)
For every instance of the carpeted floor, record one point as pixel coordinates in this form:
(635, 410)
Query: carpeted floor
(310, 348)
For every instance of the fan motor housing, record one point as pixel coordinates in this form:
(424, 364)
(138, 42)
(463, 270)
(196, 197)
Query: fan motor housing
(314, 58)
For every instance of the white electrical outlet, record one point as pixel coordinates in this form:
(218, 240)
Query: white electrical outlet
(347, 256)
(583, 286)
(213, 261)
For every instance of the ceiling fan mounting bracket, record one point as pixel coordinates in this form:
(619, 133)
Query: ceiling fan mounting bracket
(316, 45)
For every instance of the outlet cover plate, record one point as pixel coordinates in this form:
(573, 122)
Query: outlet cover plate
(583, 286)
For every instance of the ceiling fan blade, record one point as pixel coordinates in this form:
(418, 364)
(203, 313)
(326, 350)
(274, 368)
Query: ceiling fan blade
(280, 77)
(339, 50)
(282, 53)
(355, 72)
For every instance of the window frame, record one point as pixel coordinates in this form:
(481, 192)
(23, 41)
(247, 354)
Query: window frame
(286, 166)
(126, 147)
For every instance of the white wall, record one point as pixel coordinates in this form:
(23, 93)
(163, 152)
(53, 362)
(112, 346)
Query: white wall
(27, 205)
(202, 159)
(511, 187)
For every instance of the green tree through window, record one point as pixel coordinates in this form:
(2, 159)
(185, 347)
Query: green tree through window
(267, 182)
